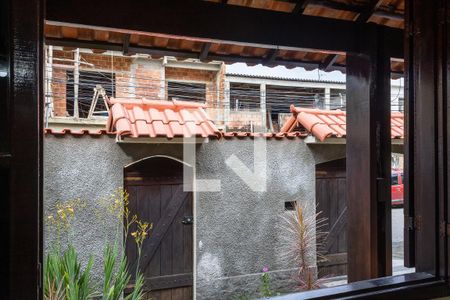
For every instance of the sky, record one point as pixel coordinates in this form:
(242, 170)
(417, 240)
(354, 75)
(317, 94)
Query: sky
(281, 71)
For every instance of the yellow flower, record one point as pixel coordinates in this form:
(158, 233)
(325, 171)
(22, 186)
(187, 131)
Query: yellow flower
(134, 234)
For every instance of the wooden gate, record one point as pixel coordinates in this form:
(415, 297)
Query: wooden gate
(331, 201)
(156, 193)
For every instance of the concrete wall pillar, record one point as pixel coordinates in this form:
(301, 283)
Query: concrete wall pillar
(327, 104)
(262, 90)
(226, 107)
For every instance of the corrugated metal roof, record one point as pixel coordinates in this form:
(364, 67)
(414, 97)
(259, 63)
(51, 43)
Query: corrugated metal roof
(283, 78)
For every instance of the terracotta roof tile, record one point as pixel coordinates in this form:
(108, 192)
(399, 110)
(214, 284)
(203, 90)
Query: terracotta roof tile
(331, 123)
(155, 118)
(267, 135)
(78, 133)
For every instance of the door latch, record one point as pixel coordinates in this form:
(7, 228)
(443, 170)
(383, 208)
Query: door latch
(188, 220)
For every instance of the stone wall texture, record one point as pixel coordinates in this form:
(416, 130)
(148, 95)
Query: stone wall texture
(237, 230)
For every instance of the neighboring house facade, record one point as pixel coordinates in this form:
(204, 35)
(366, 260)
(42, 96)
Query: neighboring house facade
(163, 119)
(236, 102)
(237, 224)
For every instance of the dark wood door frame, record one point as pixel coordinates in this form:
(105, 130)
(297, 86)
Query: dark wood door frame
(21, 132)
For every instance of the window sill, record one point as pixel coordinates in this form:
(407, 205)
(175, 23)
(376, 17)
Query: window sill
(407, 286)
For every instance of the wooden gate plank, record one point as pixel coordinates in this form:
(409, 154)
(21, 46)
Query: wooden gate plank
(163, 224)
(333, 260)
(154, 268)
(166, 258)
(164, 282)
(337, 227)
(331, 202)
(168, 281)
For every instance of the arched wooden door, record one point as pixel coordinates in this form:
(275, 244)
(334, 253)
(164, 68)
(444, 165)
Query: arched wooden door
(155, 186)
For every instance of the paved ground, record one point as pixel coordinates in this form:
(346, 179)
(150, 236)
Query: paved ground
(397, 250)
(397, 233)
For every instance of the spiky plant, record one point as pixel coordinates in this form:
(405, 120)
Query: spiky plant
(302, 235)
(65, 278)
(54, 277)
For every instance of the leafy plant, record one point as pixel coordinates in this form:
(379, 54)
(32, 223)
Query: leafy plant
(115, 281)
(64, 277)
(53, 276)
(265, 284)
(77, 283)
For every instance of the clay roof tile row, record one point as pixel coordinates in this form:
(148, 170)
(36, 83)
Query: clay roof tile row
(78, 133)
(331, 123)
(150, 118)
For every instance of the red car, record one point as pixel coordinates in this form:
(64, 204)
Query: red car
(397, 188)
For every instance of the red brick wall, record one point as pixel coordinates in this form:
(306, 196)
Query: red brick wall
(120, 66)
(138, 77)
(58, 83)
(149, 81)
(214, 80)
(59, 92)
(204, 76)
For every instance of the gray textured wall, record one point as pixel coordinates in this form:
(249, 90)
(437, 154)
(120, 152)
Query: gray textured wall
(237, 229)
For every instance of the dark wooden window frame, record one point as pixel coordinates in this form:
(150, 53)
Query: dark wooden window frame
(426, 222)
(426, 143)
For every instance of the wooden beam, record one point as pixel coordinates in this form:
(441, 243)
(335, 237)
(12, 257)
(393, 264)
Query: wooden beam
(211, 22)
(389, 15)
(363, 17)
(182, 54)
(371, 8)
(369, 160)
(329, 62)
(356, 8)
(300, 6)
(126, 44)
(336, 5)
(204, 52)
(271, 57)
